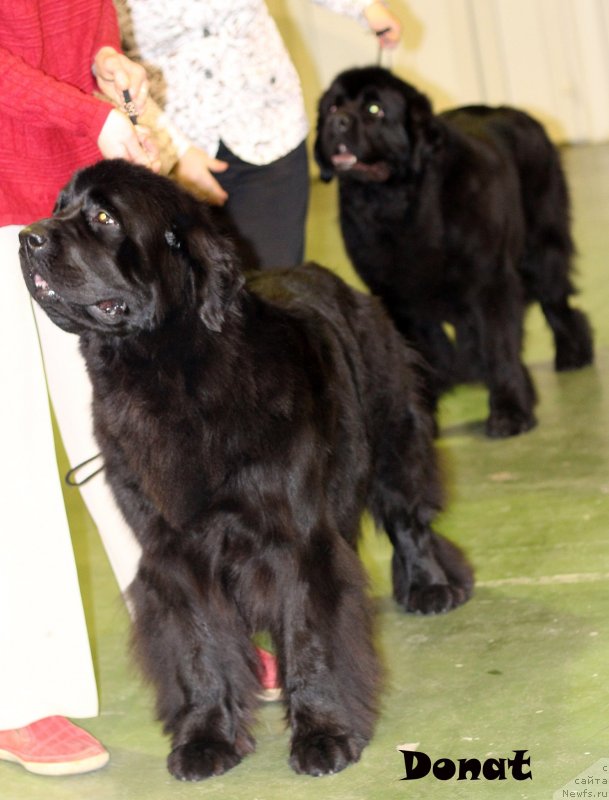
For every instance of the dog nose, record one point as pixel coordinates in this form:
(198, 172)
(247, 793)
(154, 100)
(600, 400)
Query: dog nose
(34, 236)
(341, 122)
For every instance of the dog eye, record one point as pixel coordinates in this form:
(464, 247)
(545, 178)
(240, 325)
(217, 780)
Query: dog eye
(333, 109)
(375, 110)
(105, 218)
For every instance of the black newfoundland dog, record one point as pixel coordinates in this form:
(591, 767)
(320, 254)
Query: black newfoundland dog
(456, 221)
(244, 428)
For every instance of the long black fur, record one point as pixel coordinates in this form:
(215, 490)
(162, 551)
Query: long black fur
(459, 218)
(244, 428)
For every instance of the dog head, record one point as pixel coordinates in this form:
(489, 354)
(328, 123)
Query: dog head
(124, 249)
(372, 126)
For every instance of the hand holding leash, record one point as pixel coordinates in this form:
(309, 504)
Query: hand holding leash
(117, 74)
(126, 84)
(385, 25)
(120, 138)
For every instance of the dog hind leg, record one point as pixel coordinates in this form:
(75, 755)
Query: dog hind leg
(546, 278)
(546, 265)
(430, 574)
(572, 334)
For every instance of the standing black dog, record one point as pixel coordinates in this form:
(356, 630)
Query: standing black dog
(244, 427)
(458, 218)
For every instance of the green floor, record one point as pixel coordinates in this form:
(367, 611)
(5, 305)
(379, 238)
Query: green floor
(522, 666)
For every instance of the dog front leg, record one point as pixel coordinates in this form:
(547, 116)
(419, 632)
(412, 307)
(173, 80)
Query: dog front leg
(329, 668)
(428, 337)
(196, 652)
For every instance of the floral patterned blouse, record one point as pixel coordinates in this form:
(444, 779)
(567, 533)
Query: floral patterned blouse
(220, 70)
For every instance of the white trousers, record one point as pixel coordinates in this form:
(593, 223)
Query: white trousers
(45, 659)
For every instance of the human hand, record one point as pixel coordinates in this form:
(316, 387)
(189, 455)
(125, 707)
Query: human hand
(120, 139)
(380, 19)
(116, 73)
(194, 170)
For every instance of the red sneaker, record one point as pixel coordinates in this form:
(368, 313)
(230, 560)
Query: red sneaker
(269, 678)
(53, 746)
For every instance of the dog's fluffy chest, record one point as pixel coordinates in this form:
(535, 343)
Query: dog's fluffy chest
(184, 445)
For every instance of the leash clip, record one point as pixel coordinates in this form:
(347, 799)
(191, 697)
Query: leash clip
(129, 107)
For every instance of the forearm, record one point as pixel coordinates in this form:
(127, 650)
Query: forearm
(374, 15)
(32, 96)
(108, 33)
(349, 8)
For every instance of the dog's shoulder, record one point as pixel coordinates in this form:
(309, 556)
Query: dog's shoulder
(306, 286)
(316, 297)
(502, 127)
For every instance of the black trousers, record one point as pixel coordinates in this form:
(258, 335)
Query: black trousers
(267, 205)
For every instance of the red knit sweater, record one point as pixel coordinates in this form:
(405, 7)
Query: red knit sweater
(49, 121)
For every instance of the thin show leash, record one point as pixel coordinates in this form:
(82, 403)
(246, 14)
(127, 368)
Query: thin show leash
(71, 477)
(379, 57)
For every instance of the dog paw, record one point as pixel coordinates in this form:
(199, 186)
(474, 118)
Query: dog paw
(202, 759)
(437, 598)
(573, 357)
(574, 346)
(323, 754)
(500, 426)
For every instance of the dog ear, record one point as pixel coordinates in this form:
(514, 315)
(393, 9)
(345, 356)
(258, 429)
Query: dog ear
(217, 273)
(326, 170)
(422, 128)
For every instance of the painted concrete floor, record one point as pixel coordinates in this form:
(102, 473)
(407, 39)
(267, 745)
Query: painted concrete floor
(523, 666)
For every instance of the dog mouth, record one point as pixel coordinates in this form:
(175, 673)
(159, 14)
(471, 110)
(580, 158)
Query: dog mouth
(42, 290)
(344, 160)
(114, 307)
(111, 307)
